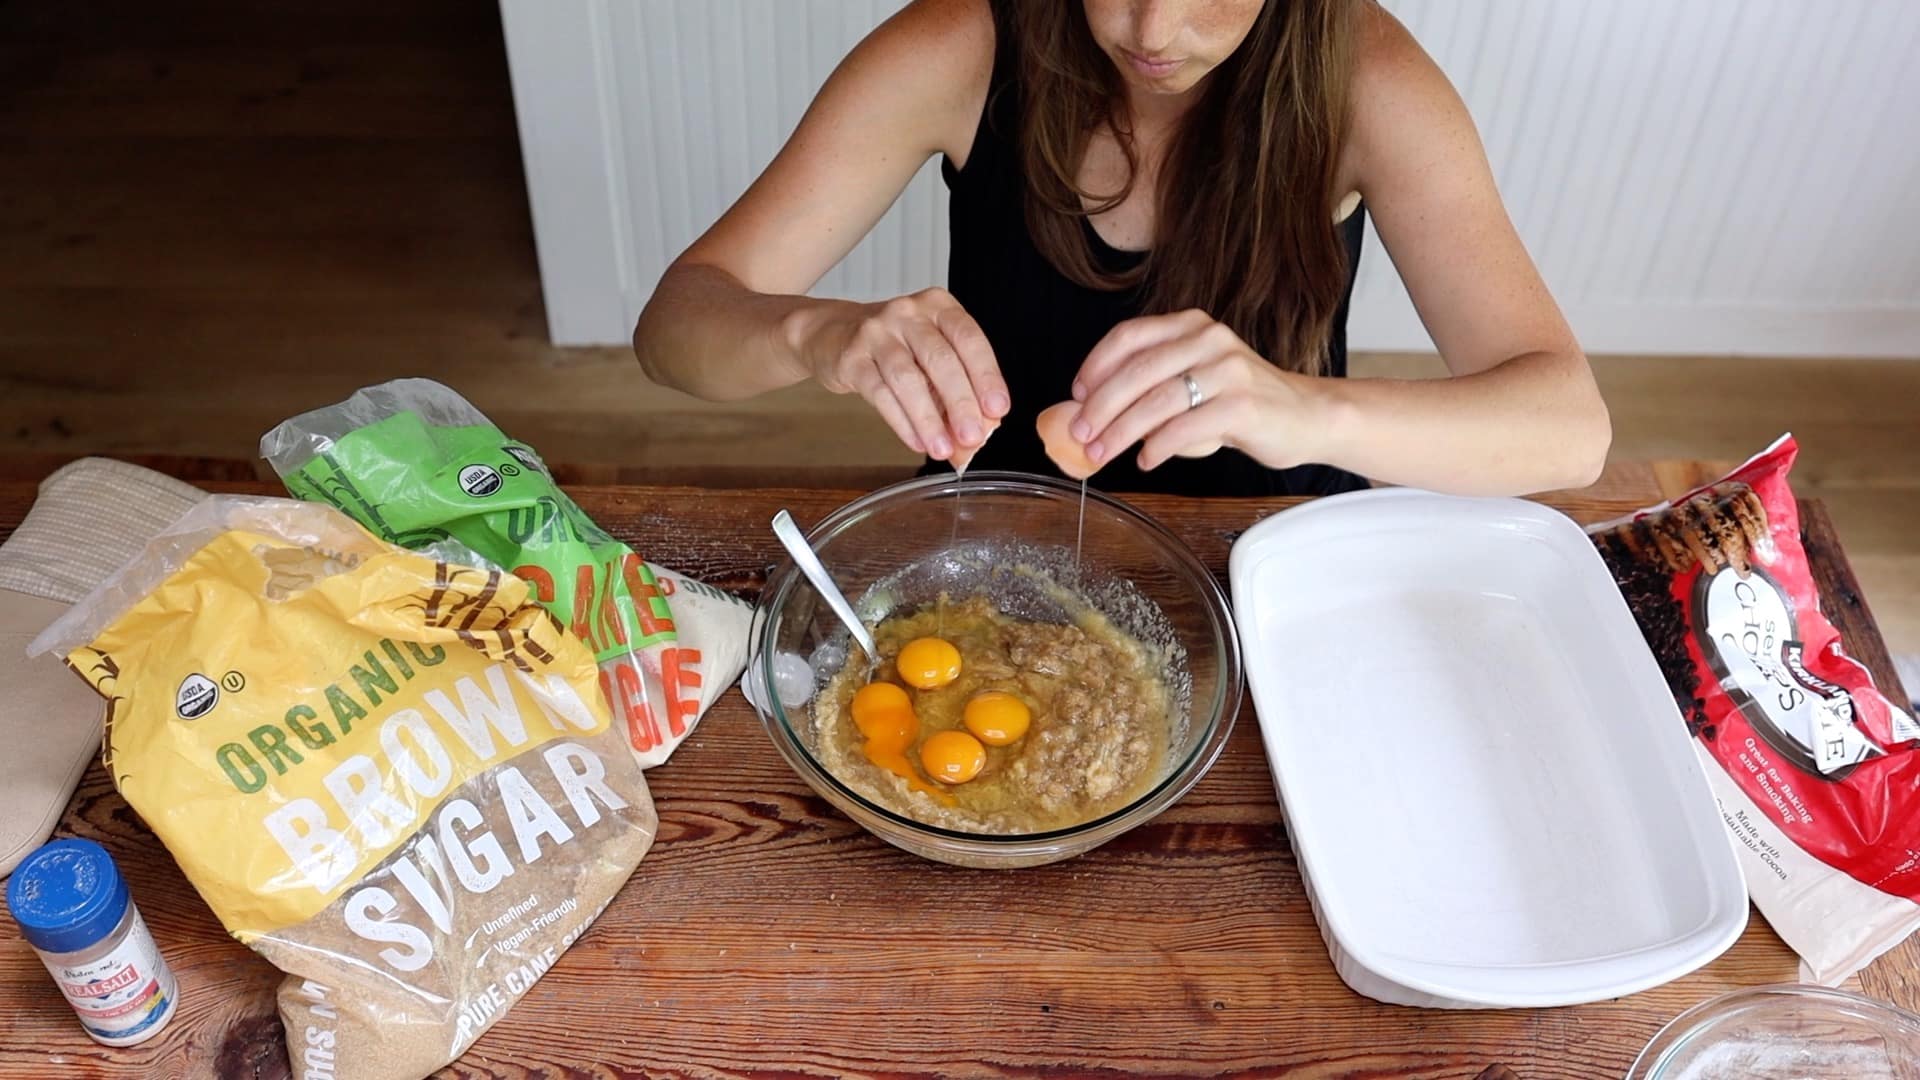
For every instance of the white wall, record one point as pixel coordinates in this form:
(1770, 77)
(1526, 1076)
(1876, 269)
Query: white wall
(1702, 176)
(1705, 177)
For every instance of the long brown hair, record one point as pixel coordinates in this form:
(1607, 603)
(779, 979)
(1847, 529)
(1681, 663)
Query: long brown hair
(1244, 228)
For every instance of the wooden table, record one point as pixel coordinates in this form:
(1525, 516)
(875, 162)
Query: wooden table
(768, 935)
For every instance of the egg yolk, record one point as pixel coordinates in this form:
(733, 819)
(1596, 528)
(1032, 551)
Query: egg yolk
(895, 762)
(894, 729)
(928, 663)
(997, 718)
(953, 757)
(876, 704)
(884, 714)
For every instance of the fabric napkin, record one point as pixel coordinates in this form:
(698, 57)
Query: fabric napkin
(90, 517)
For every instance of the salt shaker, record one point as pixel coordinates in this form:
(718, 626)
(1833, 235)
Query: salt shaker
(73, 908)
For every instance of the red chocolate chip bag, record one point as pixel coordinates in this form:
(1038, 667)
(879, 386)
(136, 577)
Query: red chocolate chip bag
(1816, 776)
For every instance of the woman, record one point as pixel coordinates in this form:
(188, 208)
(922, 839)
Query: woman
(1156, 211)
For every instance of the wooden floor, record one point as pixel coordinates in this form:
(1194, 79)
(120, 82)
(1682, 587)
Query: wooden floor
(213, 215)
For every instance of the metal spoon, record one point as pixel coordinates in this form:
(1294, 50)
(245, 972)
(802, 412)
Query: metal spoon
(809, 564)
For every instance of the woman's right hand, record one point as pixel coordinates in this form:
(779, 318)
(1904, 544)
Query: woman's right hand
(921, 361)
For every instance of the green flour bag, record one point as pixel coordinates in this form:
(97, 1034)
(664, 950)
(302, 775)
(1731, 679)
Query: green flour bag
(415, 463)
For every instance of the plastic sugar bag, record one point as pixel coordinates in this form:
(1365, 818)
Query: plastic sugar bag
(393, 776)
(415, 463)
(1814, 768)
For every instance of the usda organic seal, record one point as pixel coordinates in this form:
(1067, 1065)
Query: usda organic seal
(196, 697)
(479, 481)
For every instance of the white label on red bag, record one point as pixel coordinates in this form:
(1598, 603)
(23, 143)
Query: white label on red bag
(1904, 728)
(1754, 635)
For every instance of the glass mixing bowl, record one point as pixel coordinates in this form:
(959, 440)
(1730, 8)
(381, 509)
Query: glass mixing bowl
(1785, 1033)
(1004, 535)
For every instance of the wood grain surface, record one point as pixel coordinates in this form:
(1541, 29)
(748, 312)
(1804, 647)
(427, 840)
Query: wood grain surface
(767, 935)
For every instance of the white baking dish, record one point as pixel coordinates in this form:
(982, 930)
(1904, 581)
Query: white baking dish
(1490, 792)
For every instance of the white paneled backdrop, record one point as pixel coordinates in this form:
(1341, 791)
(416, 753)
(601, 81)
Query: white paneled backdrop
(1714, 176)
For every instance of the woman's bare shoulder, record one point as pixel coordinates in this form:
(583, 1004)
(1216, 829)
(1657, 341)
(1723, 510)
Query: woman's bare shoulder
(1399, 97)
(909, 90)
(935, 56)
(1383, 46)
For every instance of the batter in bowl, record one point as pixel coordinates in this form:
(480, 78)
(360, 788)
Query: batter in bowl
(982, 722)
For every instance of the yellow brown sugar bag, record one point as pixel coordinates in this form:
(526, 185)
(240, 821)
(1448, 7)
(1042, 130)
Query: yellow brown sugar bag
(392, 775)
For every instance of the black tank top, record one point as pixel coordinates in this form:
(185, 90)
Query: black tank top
(1042, 324)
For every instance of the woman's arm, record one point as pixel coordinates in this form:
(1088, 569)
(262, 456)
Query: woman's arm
(727, 320)
(1521, 412)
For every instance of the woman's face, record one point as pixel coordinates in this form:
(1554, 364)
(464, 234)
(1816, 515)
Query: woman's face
(1168, 46)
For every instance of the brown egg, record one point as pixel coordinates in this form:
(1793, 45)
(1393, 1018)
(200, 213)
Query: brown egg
(963, 456)
(1055, 425)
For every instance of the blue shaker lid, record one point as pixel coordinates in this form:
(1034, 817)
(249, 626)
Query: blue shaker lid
(67, 895)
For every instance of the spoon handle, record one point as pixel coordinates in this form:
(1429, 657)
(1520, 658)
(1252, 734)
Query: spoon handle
(809, 564)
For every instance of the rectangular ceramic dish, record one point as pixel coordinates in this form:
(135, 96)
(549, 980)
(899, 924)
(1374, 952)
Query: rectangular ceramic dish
(1491, 794)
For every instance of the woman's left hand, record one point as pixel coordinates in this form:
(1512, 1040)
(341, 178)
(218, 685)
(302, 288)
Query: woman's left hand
(1185, 385)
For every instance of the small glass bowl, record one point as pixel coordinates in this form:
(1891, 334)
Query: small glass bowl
(1788, 1032)
(898, 548)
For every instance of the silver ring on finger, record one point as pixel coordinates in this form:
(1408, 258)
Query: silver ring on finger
(1194, 394)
